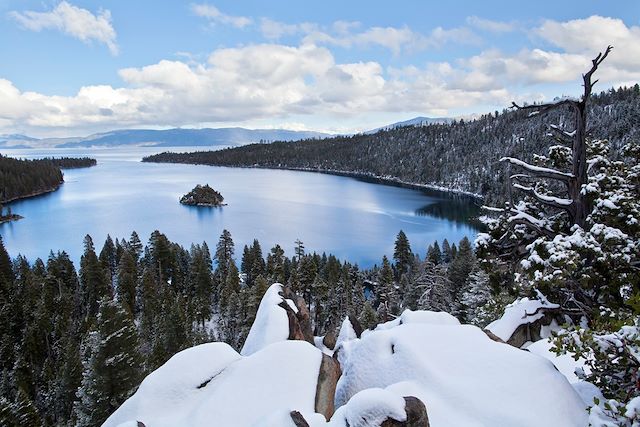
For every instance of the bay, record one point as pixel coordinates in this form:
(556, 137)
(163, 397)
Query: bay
(353, 219)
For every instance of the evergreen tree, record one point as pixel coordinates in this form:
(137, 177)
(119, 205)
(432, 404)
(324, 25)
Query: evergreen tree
(127, 279)
(108, 258)
(368, 317)
(275, 265)
(111, 367)
(223, 257)
(434, 255)
(92, 279)
(447, 254)
(402, 254)
(136, 245)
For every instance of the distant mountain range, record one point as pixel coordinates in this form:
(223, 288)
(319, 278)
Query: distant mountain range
(178, 137)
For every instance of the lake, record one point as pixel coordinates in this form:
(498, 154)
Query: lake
(353, 219)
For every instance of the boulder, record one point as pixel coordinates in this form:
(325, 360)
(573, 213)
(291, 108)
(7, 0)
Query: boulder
(416, 415)
(326, 388)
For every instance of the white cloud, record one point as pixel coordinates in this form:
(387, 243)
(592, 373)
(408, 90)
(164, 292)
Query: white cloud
(213, 13)
(72, 20)
(491, 26)
(591, 35)
(397, 40)
(275, 83)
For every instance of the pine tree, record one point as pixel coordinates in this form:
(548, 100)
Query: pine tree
(475, 295)
(223, 257)
(111, 367)
(92, 279)
(385, 291)
(201, 282)
(368, 317)
(275, 265)
(108, 258)
(434, 254)
(127, 279)
(435, 288)
(447, 256)
(136, 245)
(402, 254)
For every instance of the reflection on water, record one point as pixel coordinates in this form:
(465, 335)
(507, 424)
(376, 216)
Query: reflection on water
(461, 210)
(353, 219)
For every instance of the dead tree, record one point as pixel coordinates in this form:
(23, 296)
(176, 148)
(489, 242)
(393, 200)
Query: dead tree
(576, 205)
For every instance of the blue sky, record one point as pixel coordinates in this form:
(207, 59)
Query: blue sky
(77, 67)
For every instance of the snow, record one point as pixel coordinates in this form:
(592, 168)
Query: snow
(568, 365)
(419, 316)
(544, 197)
(271, 324)
(534, 168)
(369, 408)
(347, 333)
(463, 377)
(241, 391)
(516, 314)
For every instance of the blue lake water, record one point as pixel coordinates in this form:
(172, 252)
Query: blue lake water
(353, 219)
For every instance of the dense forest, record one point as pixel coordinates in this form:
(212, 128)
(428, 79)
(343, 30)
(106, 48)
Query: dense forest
(71, 162)
(76, 343)
(23, 178)
(463, 155)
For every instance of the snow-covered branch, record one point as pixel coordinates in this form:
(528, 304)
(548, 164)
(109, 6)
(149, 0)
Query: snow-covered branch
(538, 171)
(553, 201)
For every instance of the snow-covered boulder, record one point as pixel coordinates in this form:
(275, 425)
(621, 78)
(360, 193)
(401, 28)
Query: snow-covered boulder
(463, 377)
(211, 384)
(420, 316)
(278, 319)
(525, 320)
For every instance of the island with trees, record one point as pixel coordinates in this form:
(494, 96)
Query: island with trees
(203, 195)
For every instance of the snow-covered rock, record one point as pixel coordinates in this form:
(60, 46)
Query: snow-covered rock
(211, 384)
(420, 316)
(463, 377)
(522, 321)
(272, 322)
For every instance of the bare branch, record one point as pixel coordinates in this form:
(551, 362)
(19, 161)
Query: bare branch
(588, 84)
(540, 109)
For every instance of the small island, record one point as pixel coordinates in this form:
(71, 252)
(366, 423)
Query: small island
(8, 215)
(203, 195)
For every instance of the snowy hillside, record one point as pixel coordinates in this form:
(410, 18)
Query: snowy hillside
(423, 364)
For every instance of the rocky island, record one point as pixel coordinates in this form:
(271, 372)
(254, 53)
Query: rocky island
(203, 195)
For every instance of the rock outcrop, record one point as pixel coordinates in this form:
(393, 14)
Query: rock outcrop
(416, 415)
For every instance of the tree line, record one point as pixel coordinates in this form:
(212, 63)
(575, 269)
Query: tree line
(22, 178)
(76, 343)
(462, 155)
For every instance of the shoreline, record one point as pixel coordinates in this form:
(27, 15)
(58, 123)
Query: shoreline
(34, 194)
(366, 176)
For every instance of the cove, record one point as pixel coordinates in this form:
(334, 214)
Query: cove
(349, 217)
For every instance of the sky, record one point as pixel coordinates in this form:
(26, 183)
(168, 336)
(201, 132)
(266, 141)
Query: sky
(72, 68)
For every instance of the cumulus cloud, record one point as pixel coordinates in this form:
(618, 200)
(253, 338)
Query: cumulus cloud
(267, 81)
(213, 13)
(278, 83)
(72, 20)
(588, 36)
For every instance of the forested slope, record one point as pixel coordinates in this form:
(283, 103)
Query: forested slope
(460, 156)
(23, 178)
